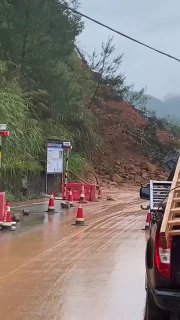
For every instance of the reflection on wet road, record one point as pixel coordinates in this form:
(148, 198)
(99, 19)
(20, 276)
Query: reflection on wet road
(51, 269)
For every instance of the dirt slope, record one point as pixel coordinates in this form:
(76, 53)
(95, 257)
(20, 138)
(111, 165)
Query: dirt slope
(121, 158)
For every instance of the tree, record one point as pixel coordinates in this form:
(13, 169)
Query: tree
(137, 99)
(106, 71)
(110, 82)
(34, 35)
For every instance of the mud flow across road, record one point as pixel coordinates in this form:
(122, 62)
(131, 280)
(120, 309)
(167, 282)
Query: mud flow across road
(52, 270)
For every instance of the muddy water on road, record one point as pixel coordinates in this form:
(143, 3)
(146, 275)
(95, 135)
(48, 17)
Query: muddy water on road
(61, 272)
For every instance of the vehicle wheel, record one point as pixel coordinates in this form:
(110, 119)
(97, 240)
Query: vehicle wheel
(152, 311)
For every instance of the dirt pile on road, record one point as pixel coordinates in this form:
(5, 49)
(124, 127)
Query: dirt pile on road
(121, 158)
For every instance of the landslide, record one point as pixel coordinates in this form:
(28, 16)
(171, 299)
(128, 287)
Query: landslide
(122, 157)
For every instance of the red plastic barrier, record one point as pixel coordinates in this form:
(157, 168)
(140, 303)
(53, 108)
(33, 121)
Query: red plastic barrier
(90, 191)
(96, 192)
(2, 205)
(94, 195)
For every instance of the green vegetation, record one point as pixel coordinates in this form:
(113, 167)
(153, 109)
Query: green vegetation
(45, 87)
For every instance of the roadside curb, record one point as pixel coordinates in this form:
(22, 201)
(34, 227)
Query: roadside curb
(29, 203)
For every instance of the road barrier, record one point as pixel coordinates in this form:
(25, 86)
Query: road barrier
(7, 218)
(91, 191)
(2, 206)
(9, 215)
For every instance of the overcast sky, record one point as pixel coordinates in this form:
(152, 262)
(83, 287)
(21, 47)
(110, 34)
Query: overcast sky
(156, 22)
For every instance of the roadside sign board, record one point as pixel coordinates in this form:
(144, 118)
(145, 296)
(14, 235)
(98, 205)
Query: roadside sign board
(66, 145)
(3, 127)
(55, 158)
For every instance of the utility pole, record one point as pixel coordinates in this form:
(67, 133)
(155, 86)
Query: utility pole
(0, 163)
(67, 147)
(3, 133)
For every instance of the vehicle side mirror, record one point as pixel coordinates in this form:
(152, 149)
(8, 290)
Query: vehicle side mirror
(145, 192)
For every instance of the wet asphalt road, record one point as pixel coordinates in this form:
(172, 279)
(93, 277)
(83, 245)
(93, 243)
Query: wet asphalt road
(52, 270)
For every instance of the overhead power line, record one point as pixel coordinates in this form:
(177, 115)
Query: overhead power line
(118, 32)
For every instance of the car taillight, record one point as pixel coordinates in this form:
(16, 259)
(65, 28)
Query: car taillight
(163, 258)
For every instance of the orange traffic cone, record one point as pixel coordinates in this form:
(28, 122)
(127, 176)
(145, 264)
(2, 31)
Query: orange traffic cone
(80, 215)
(70, 199)
(82, 196)
(7, 219)
(51, 206)
(9, 216)
(1, 218)
(99, 194)
(148, 220)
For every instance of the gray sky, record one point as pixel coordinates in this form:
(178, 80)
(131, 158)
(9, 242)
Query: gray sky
(156, 22)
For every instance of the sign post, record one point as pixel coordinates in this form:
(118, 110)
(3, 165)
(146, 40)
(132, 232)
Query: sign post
(67, 147)
(3, 133)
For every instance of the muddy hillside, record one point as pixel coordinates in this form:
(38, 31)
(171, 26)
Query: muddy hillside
(126, 154)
